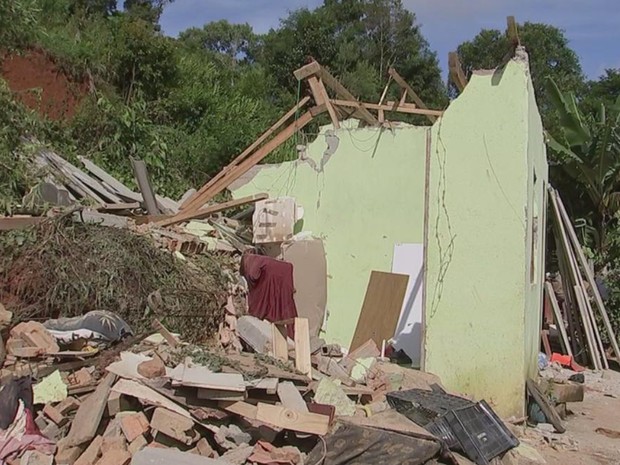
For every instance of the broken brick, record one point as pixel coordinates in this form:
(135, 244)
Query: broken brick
(53, 414)
(137, 444)
(154, 368)
(92, 452)
(174, 425)
(67, 455)
(134, 425)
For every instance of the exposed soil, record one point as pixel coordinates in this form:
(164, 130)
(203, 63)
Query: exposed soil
(42, 85)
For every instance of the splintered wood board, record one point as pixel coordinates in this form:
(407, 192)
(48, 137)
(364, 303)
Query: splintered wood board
(311, 423)
(381, 308)
(219, 394)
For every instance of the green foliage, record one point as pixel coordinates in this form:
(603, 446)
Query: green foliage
(17, 22)
(338, 33)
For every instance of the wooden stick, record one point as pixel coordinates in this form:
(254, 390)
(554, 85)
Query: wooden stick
(205, 212)
(193, 200)
(389, 106)
(558, 317)
(590, 277)
(405, 85)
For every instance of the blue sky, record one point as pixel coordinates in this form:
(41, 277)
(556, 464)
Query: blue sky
(592, 26)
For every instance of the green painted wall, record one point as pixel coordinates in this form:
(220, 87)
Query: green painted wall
(368, 197)
(480, 306)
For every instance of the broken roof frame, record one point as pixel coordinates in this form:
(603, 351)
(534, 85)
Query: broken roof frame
(346, 105)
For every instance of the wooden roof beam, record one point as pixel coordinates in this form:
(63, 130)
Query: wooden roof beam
(405, 86)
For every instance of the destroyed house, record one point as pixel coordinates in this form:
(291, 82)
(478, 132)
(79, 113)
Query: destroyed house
(458, 207)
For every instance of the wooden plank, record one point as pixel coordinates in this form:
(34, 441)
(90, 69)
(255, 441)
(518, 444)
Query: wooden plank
(87, 418)
(210, 210)
(202, 377)
(303, 361)
(544, 337)
(381, 308)
(119, 206)
(589, 276)
(239, 408)
(290, 397)
(558, 317)
(598, 348)
(311, 423)
(545, 406)
(405, 85)
(266, 384)
(19, 222)
(574, 274)
(146, 188)
(279, 342)
(456, 71)
(193, 201)
(389, 106)
(107, 178)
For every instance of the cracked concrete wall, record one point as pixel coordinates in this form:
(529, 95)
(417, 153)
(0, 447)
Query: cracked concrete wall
(362, 191)
(483, 301)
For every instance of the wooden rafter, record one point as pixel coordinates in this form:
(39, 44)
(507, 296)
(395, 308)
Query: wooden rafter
(241, 165)
(408, 90)
(314, 69)
(196, 201)
(389, 106)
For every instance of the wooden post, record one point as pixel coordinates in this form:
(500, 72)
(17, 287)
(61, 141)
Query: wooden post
(558, 317)
(456, 71)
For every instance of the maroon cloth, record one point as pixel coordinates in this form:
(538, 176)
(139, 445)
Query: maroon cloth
(271, 288)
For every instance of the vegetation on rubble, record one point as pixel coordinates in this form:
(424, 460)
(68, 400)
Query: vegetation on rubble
(63, 268)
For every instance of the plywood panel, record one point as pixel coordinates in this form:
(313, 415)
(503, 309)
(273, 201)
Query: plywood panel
(381, 308)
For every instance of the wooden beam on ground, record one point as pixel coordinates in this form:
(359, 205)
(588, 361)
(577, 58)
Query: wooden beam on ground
(590, 278)
(111, 181)
(239, 168)
(210, 210)
(456, 71)
(194, 201)
(311, 423)
(303, 361)
(389, 106)
(144, 183)
(279, 342)
(405, 85)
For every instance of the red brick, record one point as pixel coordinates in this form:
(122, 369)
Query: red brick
(115, 457)
(53, 414)
(92, 452)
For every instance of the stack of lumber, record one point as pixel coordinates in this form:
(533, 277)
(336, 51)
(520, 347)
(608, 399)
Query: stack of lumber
(582, 319)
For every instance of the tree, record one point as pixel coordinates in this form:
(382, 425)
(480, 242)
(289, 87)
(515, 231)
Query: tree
(605, 90)
(589, 149)
(235, 42)
(358, 40)
(147, 10)
(549, 54)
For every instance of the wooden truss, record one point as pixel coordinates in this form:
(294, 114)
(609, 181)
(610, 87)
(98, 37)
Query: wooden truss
(344, 105)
